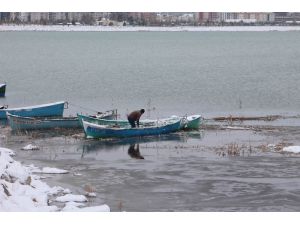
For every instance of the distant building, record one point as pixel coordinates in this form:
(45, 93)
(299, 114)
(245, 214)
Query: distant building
(39, 17)
(286, 17)
(202, 17)
(4, 16)
(19, 17)
(151, 18)
(148, 18)
(207, 17)
(245, 17)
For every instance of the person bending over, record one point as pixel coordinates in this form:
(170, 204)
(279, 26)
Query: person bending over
(134, 117)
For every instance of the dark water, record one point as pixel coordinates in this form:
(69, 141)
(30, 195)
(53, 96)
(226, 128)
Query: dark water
(208, 73)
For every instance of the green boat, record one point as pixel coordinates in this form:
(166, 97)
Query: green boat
(193, 122)
(189, 122)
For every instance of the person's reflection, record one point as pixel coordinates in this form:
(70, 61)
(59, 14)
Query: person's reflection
(135, 152)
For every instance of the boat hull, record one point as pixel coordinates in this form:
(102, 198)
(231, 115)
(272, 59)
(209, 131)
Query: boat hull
(52, 109)
(33, 123)
(98, 131)
(193, 122)
(189, 122)
(2, 90)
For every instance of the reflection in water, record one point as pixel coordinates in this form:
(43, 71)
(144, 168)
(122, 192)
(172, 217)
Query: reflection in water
(114, 144)
(3, 123)
(135, 152)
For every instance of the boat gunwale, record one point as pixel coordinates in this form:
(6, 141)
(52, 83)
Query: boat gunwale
(35, 106)
(93, 125)
(44, 119)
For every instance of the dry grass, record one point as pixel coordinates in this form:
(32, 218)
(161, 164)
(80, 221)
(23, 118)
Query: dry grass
(89, 188)
(120, 205)
(233, 149)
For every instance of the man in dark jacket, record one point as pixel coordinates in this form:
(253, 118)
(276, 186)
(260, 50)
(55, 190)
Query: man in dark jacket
(135, 117)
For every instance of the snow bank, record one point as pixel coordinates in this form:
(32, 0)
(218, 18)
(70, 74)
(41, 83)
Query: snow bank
(292, 149)
(136, 28)
(71, 198)
(20, 190)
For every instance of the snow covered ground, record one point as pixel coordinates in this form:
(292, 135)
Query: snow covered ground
(292, 149)
(22, 190)
(136, 28)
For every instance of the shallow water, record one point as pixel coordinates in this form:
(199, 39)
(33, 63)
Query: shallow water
(185, 171)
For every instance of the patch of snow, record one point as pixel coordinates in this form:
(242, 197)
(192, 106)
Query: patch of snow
(7, 151)
(50, 170)
(17, 171)
(77, 174)
(72, 206)
(67, 191)
(292, 149)
(71, 198)
(76, 204)
(90, 194)
(30, 147)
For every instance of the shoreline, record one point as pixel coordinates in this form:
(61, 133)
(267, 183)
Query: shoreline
(81, 28)
(23, 189)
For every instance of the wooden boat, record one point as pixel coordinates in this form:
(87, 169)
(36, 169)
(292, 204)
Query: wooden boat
(93, 130)
(32, 123)
(51, 109)
(192, 122)
(189, 122)
(2, 90)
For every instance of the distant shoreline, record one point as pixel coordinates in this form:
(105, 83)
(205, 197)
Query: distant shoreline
(81, 28)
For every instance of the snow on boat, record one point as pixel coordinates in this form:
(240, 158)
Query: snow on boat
(51, 109)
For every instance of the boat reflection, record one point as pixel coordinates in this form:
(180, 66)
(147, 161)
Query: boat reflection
(91, 145)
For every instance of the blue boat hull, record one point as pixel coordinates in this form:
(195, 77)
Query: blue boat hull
(98, 131)
(52, 109)
(32, 123)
